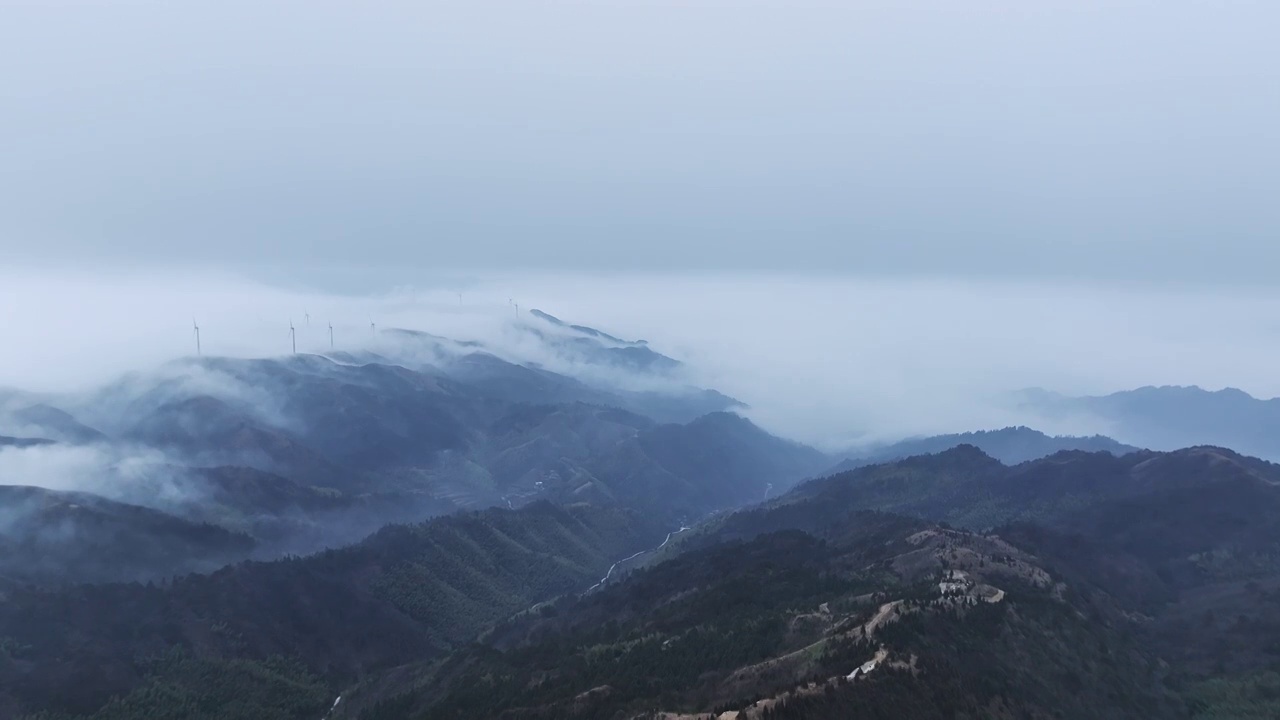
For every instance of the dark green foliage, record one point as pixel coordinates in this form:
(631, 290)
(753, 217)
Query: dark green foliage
(405, 594)
(719, 627)
(669, 631)
(180, 686)
(1143, 533)
(1161, 572)
(1032, 651)
(1251, 697)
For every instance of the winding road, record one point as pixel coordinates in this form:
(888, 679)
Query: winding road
(614, 566)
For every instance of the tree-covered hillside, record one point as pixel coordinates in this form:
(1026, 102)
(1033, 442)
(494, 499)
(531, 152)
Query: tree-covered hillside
(406, 593)
(776, 626)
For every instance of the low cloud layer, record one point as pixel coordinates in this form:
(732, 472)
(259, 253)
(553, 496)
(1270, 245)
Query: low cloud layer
(120, 472)
(831, 361)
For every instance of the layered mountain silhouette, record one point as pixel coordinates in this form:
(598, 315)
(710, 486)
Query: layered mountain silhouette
(48, 536)
(435, 529)
(311, 452)
(1170, 417)
(56, 424)
(1081, 584)
(406, 593)
(814, 606)
(1011, 445)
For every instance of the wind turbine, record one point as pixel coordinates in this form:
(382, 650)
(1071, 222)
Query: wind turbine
(293, 337)
(373, 328)
(196, 327)
(330, 334)
(307, 315)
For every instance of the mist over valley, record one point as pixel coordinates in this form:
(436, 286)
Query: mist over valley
(639, 361)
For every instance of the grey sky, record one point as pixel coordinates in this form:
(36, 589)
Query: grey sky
(1097, 139)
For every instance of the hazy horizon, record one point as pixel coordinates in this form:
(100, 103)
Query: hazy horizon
(229, 490)
(829, 361)
(863, 220)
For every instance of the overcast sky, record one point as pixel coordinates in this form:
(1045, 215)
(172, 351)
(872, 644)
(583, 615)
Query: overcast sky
(1116, 139)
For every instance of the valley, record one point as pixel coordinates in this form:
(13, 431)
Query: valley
(659, 360)
(432, 531)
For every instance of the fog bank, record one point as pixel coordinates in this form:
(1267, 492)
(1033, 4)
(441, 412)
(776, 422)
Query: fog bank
(827, 360)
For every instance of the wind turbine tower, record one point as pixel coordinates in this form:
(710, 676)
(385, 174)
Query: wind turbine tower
(293, 337)
(330, 334)
(307, 315)
(196, 327)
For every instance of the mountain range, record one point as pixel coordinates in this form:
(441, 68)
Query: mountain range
(1078, 585)
(1168, 417)
(435, 529)
(1011, 445)
(814, 605)
(309, 452)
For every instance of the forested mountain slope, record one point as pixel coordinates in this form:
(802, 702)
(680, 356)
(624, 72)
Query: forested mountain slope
(406, 593)
(1087, 597)
(310, 452)
(1080, 608)
(882, 616)
(48, 536)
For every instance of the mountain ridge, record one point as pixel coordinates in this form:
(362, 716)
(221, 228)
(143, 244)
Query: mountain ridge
(1169, 417)
(1011, 445)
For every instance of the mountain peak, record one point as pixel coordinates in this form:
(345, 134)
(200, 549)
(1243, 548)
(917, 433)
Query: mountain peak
(583, 329)
(968, 453)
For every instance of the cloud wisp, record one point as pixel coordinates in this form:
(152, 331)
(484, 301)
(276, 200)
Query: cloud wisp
(831, 361)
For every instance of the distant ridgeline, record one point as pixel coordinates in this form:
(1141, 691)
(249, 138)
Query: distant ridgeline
(1170, 417)
(226, 552)
(1011, 445)
(298, 454)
